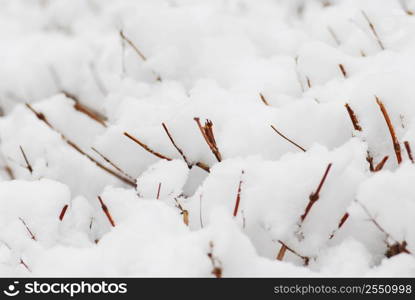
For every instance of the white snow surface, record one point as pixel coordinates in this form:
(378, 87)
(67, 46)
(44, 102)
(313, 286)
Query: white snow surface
(214, 59)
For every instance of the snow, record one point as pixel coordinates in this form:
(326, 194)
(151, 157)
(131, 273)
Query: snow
(92, 183)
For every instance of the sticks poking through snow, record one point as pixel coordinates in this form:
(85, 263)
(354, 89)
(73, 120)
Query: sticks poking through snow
(9, 172)
(183, 212)
(380, 165)
(263, 99)
(216, 263)
(28, 165)
(341, 223)
(286, 138)
(284, 246)
(43, 118)
(394, 249)
(106, 211)
(238, 195)
(175, 145)
(409, 151)
(343, 70)
(207, 132)
(63, 212)
(395, 140)
(373, 29)
(353, 118)
(82, 108)
(158, 191)
(315, 195)
(136, 50)
(145, 147)
(32, 236)
(112, 164)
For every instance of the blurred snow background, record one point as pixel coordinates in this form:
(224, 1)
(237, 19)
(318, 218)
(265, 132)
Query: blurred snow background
(93, 70)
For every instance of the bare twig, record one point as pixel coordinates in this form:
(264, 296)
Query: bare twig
(207, 132)
(333, 35)
(28, 165)
(216, 263)
(145, 147)
(287, 139)
(9, 172)
(63, 212)
(175, 145)
(306, 259)
(43, 118)
(106, 211)
(200, 211)
(341, 223)
(373, 29)
(380, 165)
(238, 195)
(112, 164)
(369, 159)
(343, 70)
(32, 236)
(353, 118)
(395, 140)
(183, 212)
(158, 191)
(136, 50)
(315, 195)
(308, 82)
(409, 151)
(263, 99)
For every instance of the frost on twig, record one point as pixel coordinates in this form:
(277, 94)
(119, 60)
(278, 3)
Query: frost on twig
(208, 135)
(41, 117)
(287, 139)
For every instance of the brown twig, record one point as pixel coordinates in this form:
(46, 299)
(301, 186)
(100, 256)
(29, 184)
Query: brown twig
(315, 195)
(281, 252)
(106, 211)
(216, 263)
(306, 259)
(207, 132)
(112, 164)
(409, 151)
(353, 118)
(380, 165)
(238, 195)
(32, 236)
(28, 165)
(183, 212)
(145, 147)
(373, 29)
(136, 50)
(308, 82)
(287, 139)
(343, 70)
(158, 191)
(395, 141)
(369, 159)
(43, 118)
(9, 172)
(63, 212)
(82, 108)
(263, 99)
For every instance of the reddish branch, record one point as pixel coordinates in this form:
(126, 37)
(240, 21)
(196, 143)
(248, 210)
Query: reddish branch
(263, 99)
(353, 118)
(238, 196)
(190, 165)
(316, 195)
(63, 212)
(409, 150)
(340, 225)
(145, 147)
(343, 70)
(284, 246)
(32, 236)
(43, 118)
(28, 165)
(380, 165)
(287, 139)
(106, 211)
(373, 29)
(158, 191)
(395, 140)
(207, 132)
